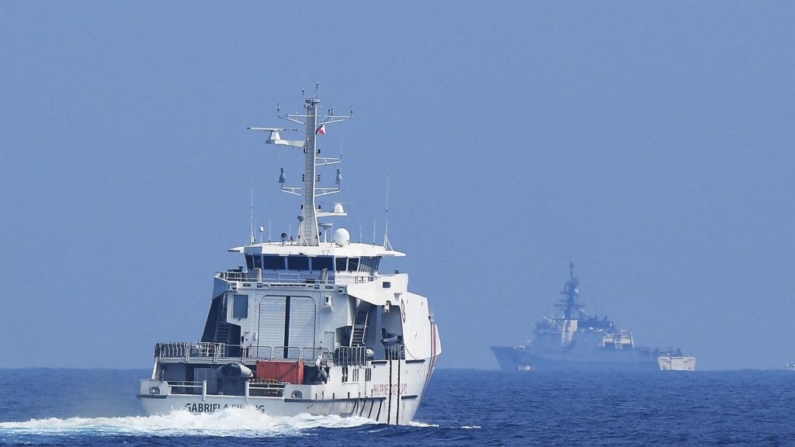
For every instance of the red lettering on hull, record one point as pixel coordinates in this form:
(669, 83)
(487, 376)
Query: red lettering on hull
(382, 389)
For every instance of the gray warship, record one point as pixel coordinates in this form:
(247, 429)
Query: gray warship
(575, 340)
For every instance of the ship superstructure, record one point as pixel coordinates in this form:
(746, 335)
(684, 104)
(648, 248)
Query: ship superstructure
(574, 340)
(309, 324)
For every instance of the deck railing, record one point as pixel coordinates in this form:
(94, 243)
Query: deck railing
(250, 279)
(222, 352)
(249, 388)
(193, 387)
(186, 351)
(278, 277)
(352, 356)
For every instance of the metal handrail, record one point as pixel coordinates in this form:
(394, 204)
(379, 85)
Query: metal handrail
(350, 356)
(218, 352)
(184, 387)
(278, 277)
(188, 350)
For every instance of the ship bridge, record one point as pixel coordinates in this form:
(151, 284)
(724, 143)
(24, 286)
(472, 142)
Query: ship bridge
(286, 262)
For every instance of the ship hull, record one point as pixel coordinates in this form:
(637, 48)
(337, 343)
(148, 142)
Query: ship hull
(398, 410)
(677, 363)
(389, 397)
(515, 358)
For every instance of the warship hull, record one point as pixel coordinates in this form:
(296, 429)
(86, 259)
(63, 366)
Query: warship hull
(574, 340)
(517, 359)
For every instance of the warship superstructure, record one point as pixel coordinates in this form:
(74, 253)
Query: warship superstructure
(309, 324)
(574, 340)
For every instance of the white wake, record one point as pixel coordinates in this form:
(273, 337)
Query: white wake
(230, 422)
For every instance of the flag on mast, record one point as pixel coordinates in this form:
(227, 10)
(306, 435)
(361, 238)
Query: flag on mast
(321, 130)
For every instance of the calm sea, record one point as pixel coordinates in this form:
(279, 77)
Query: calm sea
(462, 407)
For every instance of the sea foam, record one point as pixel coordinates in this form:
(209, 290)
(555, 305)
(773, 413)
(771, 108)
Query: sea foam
(237, 422)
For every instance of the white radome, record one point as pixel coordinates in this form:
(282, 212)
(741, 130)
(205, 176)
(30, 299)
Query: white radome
(342, 237)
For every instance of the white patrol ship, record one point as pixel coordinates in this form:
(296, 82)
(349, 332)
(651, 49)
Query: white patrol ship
(309, 325)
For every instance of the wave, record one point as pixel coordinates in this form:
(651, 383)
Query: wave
(422, 424)
(230, 422)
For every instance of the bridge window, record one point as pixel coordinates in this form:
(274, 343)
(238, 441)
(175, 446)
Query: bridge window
(297, 263)
(249, 262)
(322, 262)
(353, 264)
(370, 264)
(257, 262)
(273, 263)
(342, 264)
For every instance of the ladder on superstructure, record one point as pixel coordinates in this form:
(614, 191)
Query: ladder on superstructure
(360, 327)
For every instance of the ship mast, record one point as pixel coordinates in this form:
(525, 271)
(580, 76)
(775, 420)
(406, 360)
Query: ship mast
(308, 232)
(314, 122)
(571, 291)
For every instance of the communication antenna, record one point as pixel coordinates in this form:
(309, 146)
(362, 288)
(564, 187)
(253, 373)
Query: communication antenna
(251, 235)
(317, 91)
(387, 245)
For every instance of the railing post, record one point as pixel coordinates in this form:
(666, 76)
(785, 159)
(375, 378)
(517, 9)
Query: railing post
(204, 390)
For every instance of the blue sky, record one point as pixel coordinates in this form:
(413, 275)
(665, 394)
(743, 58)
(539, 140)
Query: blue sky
(648, 143)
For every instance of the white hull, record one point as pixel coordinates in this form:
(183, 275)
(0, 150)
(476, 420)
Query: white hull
(677, 363)
(379, 399)
(379, 410)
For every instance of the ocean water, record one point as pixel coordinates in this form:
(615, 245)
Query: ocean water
(462, 407)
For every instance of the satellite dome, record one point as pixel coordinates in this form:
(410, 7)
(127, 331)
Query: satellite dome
(342, 237)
